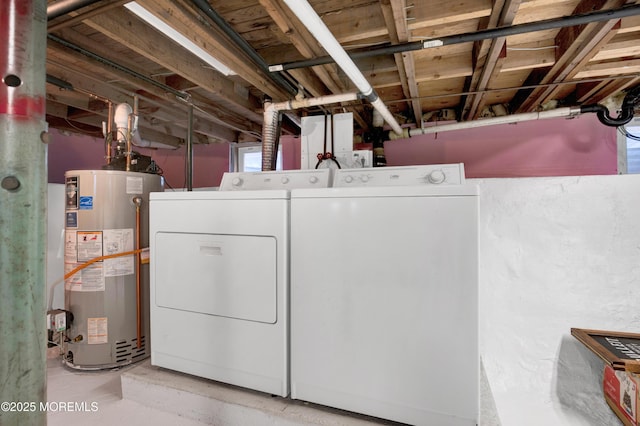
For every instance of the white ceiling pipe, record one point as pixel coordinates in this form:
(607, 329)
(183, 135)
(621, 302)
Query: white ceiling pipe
(507, 119)
(317, 101)
(121, 119)
(305, 13)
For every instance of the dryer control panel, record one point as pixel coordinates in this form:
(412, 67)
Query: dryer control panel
(280, 179)
(432, 174)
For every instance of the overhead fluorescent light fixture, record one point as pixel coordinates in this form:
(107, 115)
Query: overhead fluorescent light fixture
(176, 36)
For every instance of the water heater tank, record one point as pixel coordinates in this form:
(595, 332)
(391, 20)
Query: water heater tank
(107, 214)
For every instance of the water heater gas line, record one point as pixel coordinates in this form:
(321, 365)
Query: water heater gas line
(138, 203)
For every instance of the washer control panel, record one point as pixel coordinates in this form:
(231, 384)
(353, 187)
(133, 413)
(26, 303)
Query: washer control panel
(285, 179)
(432, 174)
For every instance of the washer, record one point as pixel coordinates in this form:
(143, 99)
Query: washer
(220, 279)
(384, 295)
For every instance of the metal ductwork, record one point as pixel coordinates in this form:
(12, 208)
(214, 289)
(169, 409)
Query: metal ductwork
(270, 136)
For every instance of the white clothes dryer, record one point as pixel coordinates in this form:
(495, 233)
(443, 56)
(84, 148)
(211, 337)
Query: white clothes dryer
(220, 279)
(384, 295)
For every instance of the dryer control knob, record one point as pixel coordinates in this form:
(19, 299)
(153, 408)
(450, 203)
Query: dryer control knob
(313, 179)
(348, 179)
(436, 176)
(364, 178)
(236, 181)
(284, 179)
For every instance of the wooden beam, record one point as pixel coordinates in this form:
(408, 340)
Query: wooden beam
(130, 31)
(490, 63)
(395, 14)
(576, 45)
(308, 47)
(90, 86)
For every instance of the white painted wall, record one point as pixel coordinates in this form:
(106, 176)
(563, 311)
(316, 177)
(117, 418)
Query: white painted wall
(555, 253)
(55, 242)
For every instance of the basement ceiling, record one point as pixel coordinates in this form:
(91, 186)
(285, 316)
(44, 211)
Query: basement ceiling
(100, 52)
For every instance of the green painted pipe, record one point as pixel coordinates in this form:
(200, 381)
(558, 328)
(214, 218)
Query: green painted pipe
(23, 207)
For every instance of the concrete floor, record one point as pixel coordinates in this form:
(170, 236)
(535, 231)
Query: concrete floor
(143, 394)
(100, 391)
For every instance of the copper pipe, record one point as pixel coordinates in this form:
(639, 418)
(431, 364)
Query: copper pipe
(138, 202)
(128, 141)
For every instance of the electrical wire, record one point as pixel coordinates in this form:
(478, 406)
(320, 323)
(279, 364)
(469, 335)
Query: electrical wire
(623, 130)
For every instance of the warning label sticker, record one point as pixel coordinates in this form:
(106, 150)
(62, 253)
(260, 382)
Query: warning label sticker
(97, 330)
(89, 245)
(118, 241)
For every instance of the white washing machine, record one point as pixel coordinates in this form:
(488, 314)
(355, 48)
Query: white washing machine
(220, 279)
(384, 295)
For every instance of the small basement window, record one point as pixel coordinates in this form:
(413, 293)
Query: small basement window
(629, 147)
(248, 158)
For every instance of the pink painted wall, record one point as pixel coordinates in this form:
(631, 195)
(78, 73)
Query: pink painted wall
(70, 151)
(553, 147)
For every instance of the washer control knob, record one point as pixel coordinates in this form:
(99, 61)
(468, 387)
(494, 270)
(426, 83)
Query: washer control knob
(436, 176)
(364, 178)
(313, 179)
(348, 179)
(284, 179)
(237, 181)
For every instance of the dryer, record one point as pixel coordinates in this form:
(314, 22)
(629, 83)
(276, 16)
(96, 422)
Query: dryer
(384, 295)
(220, 279)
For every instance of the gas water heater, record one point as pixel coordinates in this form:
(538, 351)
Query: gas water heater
(106, 228)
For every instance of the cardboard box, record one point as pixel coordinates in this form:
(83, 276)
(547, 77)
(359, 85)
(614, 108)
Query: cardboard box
(621, 393)
(621, 382)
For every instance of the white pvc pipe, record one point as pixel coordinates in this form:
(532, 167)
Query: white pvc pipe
(317, 101)
(305, 13)
(507, 119)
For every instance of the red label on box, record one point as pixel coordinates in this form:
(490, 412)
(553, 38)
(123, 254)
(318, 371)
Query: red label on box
(622, 390)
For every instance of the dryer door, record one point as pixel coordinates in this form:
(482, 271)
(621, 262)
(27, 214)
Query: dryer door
(231, 276)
